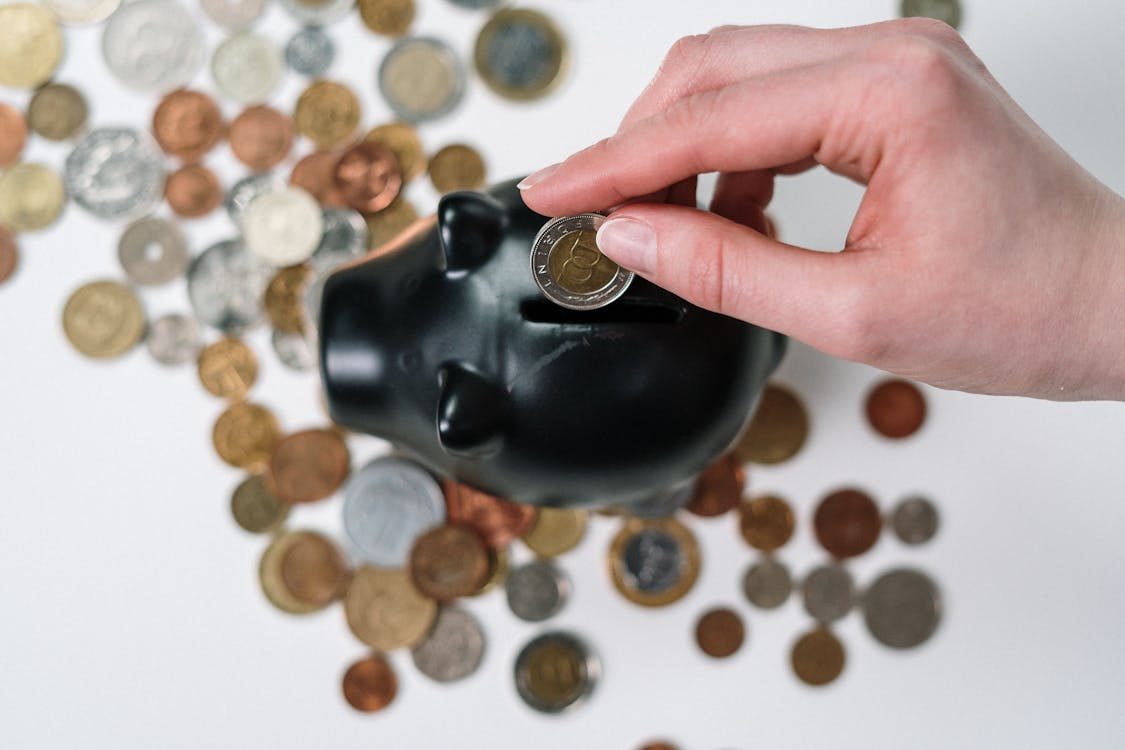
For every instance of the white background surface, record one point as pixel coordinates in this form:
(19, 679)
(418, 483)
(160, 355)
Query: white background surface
(130, 613)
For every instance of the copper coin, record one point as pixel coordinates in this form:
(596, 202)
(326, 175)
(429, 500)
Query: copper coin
(244, 436)
(9, 254)
(896, 408)
(719, 488)
(720, 632)
(308, 466)
(766, 522)
(316, 174)
(496, 520)
(370, 684)
(13, 134)
(369, 177)
(778, 429)
(193, 191)
(403, 140)
(228, 369)
(449, 561)
(847, 523)
(276, 585)
(818, 657)
(314, 570)
(187, 124)
(261, 137)
(285, 298)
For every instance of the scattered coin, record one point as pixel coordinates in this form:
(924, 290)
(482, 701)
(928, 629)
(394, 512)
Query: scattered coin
(405, 144)
(536, 591)
(389, 223)
(778, 429)
(327, 114)
(902, 608)
(283, 227)
(556, 531)
(896, 408)
(569, 268)
(297, 351)
(817, 657)
(13, 134)
(497, 569)
(449, 561)
(828, 593)
(766, 522)
(767, 583)
(654, 562)
(421, 79)
(193, 191)
(345, 237)
(153, 251)
(317, 12)
(847, 523)
(915, 520)
(274, 584)
(57, 111)
(245, 191)
(456, 167)
(153, 45)
(82, 12)
(173, 339)
(314, 570)
(387, 17)
(247, 68)
(718, 489)
(370, 684)
(244, 436)
(285, 297)
(308, 466)
(943, 10)
(233, 14)
(385, 610)
(496, 520)
(255, 508)
(555, 671)
(103, 319)
(368, 176)
(261, 137)
(31, 45)
(9, 254)
(32, 197)
(454, 648)
(225, 286)
(720, 632)
(310, 52)
(187, 124)
(228, 369)
(315, 173)
(520, 54)
(115, 173)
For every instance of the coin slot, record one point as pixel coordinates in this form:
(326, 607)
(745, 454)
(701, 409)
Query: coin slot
(622, 311)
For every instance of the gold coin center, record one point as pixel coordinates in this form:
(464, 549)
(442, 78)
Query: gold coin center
(578, 266)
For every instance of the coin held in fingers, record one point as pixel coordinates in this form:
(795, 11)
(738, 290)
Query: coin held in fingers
(569, 268)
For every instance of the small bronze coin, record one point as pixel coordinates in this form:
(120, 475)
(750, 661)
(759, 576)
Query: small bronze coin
(370, 684)
(719, 488)
(389, 223)
(104, 319)
(387, 17)
(314, 570)
(817, 657)
(327, 114)
(57, 112)
(456, 167)
(766, 522)
(261, 137)
(285, 298)
(255, 508)
(228, 369)
(654, 562)
(778, 429)
(193, 191)
(316, 174)
(308, 466)
(244, 436)
(385, 610)
(9, 254)
(404, 143)
(188, 124)
(496, 520)
(368, 176)
(847, 523)
(13, 134)
(896, 408)
(720, 632)
(555, 531)
(449, 561)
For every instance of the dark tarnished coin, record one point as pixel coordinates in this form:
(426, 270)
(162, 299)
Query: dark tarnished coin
(57, 112)
(153, 251)
(569, 268)
(915, 520)
(174, 339)
(902, 608)
(719, 488)
(943, 10)
(767, 583)
(453, 649)
(255, 508)
(536, 591)
(766, 522)
(896, 408)
(817, 657)
(370, 684)
(847, 523)
(654, 562)
(520, 54)
(448, 562)
(555, 671)
(828, 593)
(778, 429)
(720, 632)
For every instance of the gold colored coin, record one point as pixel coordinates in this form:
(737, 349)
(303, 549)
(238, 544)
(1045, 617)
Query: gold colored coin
(299, 557)
(285, 298)
(555, 531)
(578, 266)
(389, 223)
(327, 114)
(255, 508)
(228, 369)
(766, 522)
(387, 17)
(103, 319)
(385, 611)
(57, 112)
(456, 167)
(654, 562)
(244, 436)
(404, 143)
(31, 197)
(497, 569)
(818, 657)
(778, 429)
(31, 45)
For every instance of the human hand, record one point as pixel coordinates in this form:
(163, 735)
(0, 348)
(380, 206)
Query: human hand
(982, 257)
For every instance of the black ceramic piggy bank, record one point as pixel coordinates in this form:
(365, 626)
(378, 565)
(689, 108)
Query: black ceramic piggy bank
(441, 343)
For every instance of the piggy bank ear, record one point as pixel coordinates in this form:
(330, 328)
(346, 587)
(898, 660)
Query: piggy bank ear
(472, 411)
(472, 226)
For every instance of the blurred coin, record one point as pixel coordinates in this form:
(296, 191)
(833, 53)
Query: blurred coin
(82, 12)
(766, 522)
(767, 583)
(453, 649)
(225, 286)
(244, 436)
(32, 197)
(817, 657)
(658, 745)
(387, 17)
(187, 124)
(569, 268)
(115, 173)
(405, 144)
(153, 45)
(555, 671)
(13, 134)
(449, 561)
(536, 591)
(57, 112)
(317, 12)
(310, 52)
(153, 251)
(245, 191)
(233, 14)
(314, 570)
(828, 593)
(345, 235)
(498, 521)
(456, 167)
(778, 429)
(387, 504)
(283, 227)
(497, 569)
(389, 223)
(9, 254)
(847, 523)
(103, 319)
(285, 298)
(902, 608)
(475, 4)
(520, 54)
(368, 176)
(654, 562)
(316, 174)
(943, 10)
(556, 531)
(327, 114)
(370, 684)
(308, 466)
(255, 508)
(193, 191)
(247, 68)
(385, 610)
(297, 351)
(31, 45)
(718, 489)
(896, 408)
(261, 137)
(421, 78)
(228, 369)
(915, 520)
(720, 632)
(173, 339)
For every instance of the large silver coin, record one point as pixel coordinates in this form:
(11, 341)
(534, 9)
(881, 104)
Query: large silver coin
(82, 12)
(387, 505)
(828, 593)
(767, 583)
(234, 14)
(556, 671)
(453, 649)
(245, 191)
(569, 268)
(902, 608)
(345, 234)
(422, 78)
(297, 351)
(283, 227)
(914, 520)
(247, 68)
(115, 173)
(536, 591)
(310, 52)
(153, 251)
(317, 12)
(943, 10)
(174, 339)
(153, 45)
(226, 284)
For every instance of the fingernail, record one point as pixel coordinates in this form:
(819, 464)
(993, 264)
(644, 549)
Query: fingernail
(631, 243)
(537, 177)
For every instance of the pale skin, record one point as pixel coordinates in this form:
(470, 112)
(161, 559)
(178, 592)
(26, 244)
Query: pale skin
(982, 257)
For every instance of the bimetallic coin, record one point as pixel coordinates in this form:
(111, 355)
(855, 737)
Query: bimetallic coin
(245, 191)
(902, 608)
(225, 286)
(766, 522)
(720, 632)
(654, 562)
(57, 112)
(421, 79)
(496, 520)
(310, 52)
(283, 227)
(13, 134)
(456, 167)
(153, 251)
(261, 137)
(556, 671)
(387, 17)
(556, 531)
(943, 10)
(387, 505)
(233, 14)
(847, 523)
(317, 12)
(454, 648)
(296, 351)
(9, 254)
(536, 591)
(228, 369)
(32, 197)
(718, 489)
(193, 191)
(153, 45)
(405, 144)
(302, 572)
(327, 114)
(31, 45)
(449, 561)
(569, 268)
(767, 583)
(368, 177)
(520, 54)
(370, 684)
(285, 297)
(828, 593)
(187, 124)
(174, 339)
(385, 610)
(817, 657)
(778, 429)
(915, 520)
(82, 12)
(309, 465)
(896, 408)
(115, 173)
(247, 68)
(103, 319)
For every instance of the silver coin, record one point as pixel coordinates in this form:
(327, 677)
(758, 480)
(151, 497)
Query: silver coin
(226, 284)
(234, 14)
(317, 12)
(153, 251)
(422, 78)
(387, 505)
(174, 339)
(82, 12)
(574, 669)
(653, 560)
(580, 278)
(297, 351)
(828, 593)
(345, 234)
(283, 227)
(902, 608)
(915, 520)
(310, 52)
(767, 583)
(453, 649)
(153, 45)
(245, 191)
(115, 173)
(247, 68)
(536, 591)
(943, 10)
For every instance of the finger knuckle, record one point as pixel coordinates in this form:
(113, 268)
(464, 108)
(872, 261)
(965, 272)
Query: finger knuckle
(916, 65)
(864, 334)
(685, 53)
(930, 28)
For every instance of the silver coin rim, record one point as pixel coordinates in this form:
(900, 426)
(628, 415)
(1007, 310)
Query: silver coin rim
(545, 239)
(589, 658)
(452, 101)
